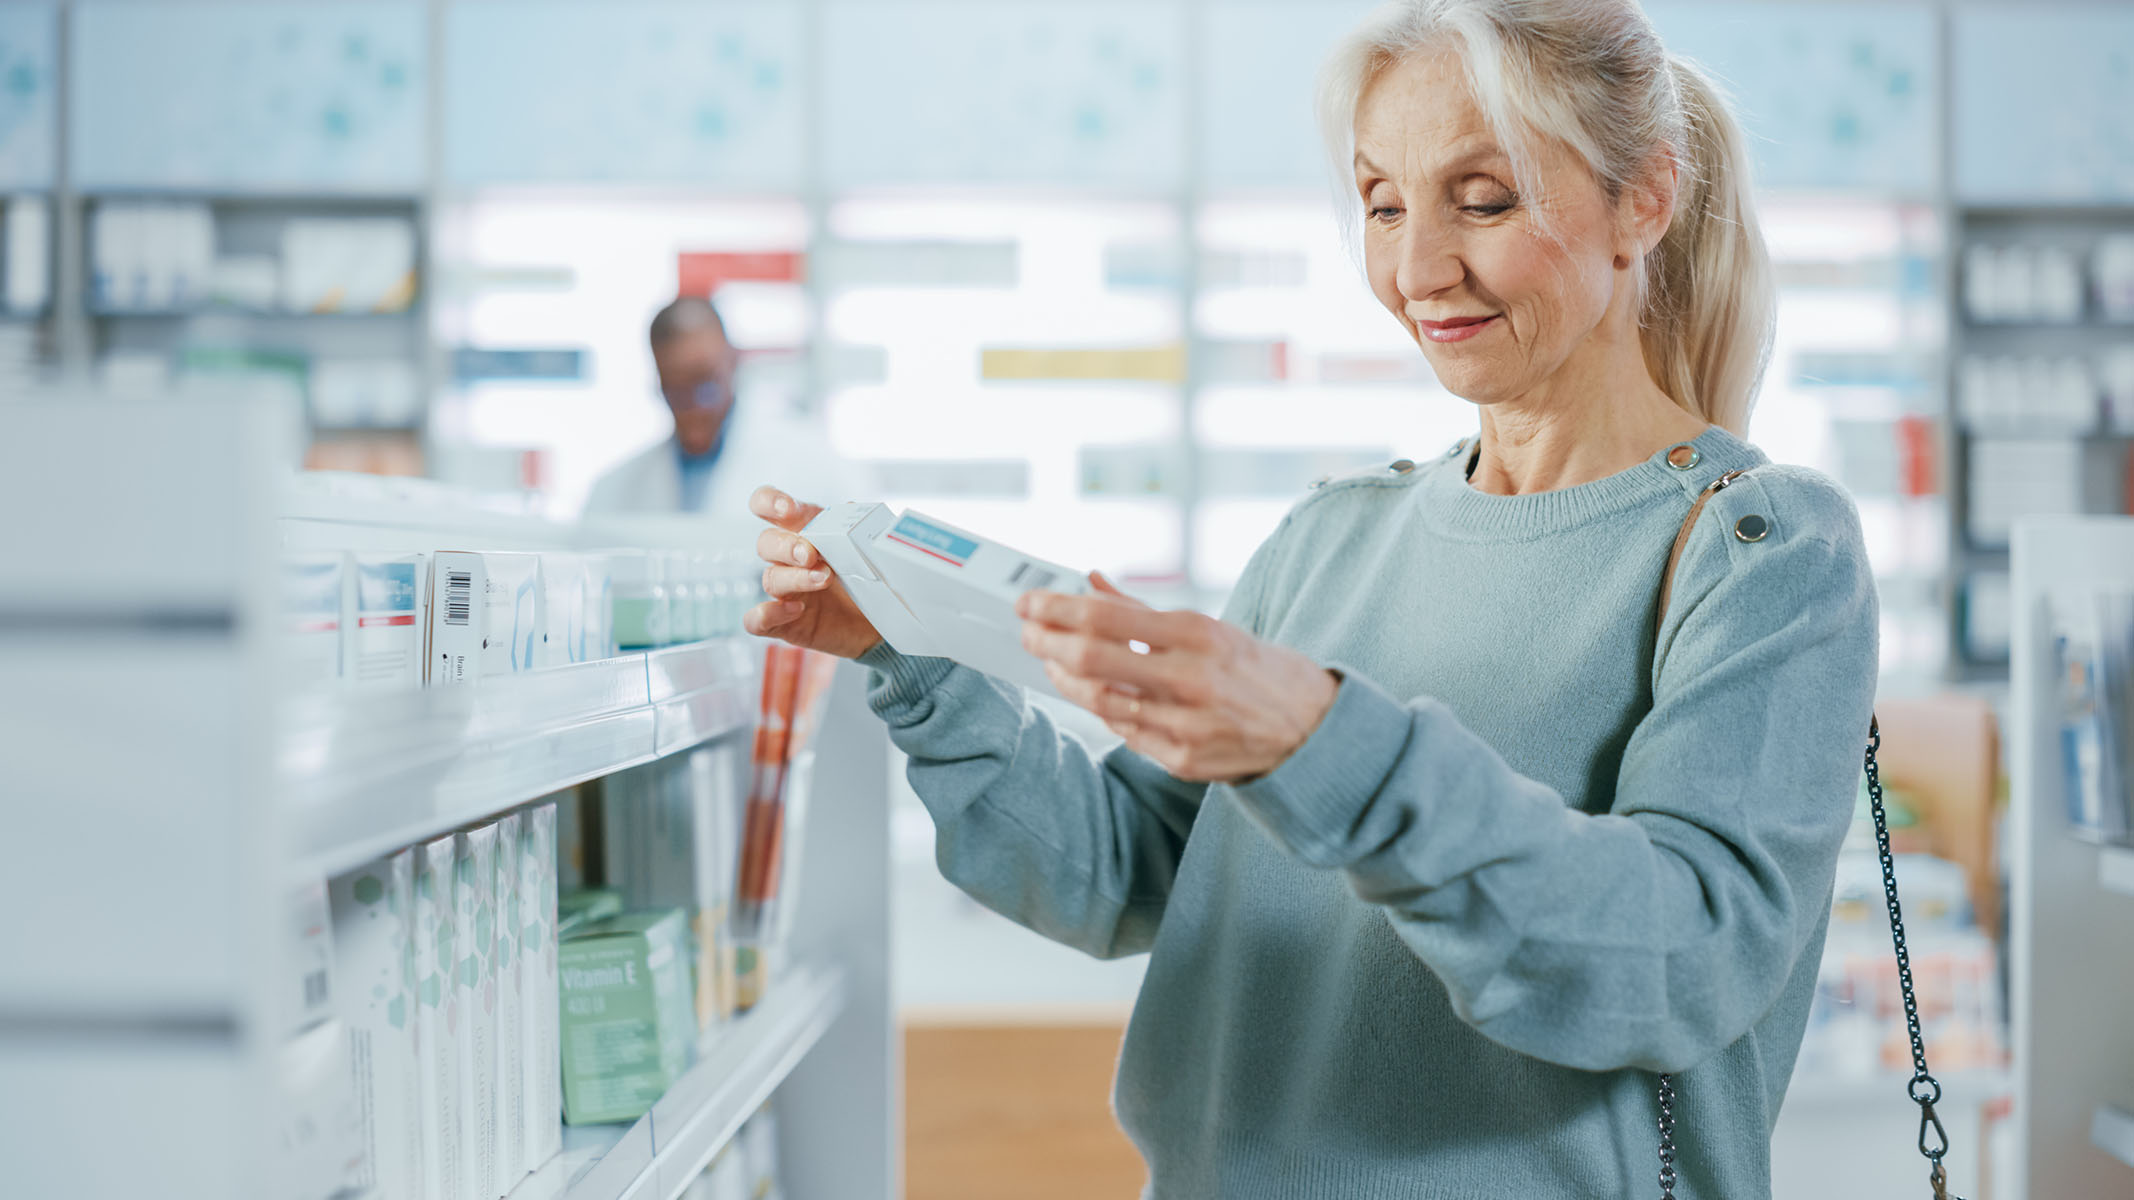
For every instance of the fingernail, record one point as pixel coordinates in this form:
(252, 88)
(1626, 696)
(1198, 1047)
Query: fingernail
(780, 507)
(800, 553)
(818, 577)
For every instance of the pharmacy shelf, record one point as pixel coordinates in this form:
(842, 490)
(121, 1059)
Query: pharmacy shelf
(2112, 1131)
(363, 774)
(660, 1154)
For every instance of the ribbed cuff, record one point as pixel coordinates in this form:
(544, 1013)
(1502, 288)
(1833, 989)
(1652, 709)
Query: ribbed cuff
(1314, 801)
(901, 684)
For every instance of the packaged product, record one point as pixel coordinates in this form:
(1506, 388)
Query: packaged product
(627, 1022)
(374, 950)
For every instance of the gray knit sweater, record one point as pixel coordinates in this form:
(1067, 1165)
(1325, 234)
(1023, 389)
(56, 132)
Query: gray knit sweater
(1529, 857)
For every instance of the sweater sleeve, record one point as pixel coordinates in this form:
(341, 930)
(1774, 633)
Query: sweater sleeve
(1656, 933)
(1079, 847)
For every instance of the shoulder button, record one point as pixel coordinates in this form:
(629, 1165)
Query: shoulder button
(1401, 466)
(1751, 528)
(1682, 456)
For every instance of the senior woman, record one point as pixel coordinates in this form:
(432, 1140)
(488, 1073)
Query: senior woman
(1440, 849)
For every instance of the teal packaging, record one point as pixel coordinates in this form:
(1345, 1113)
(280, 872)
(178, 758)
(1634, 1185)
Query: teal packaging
(628, 1021)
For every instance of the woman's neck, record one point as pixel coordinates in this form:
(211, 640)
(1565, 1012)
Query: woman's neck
(1531, 448)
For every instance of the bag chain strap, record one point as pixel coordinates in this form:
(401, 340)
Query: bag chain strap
(1923, 1088)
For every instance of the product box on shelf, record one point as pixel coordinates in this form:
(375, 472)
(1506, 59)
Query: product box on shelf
(673, 842)
(311, 617)
(318, 1147)
(306, 995)
(474, 900)
(485, 615)
(382, 625)
(562, 589)
(441, 1021)
(541, 1080)
(581, 906)
(639, 612)
(599, 587)
(510, 1007)
(933, 589)
(627, 1025)
(374, 947)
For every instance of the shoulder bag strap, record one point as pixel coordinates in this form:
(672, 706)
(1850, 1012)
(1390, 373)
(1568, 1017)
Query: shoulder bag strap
(1923, 1088)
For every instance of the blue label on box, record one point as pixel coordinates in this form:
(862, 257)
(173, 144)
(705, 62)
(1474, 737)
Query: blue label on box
(934, 540)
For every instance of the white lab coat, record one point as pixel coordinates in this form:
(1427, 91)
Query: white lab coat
(760, 448)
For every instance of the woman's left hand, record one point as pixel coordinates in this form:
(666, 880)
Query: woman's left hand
(1207, 701)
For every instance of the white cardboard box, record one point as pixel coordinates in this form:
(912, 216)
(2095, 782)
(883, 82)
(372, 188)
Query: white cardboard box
(440, 1018)
(374, 946)
(933, 589)
(382, 624)
(474, 898)
(485, 615)
(510, 1008)
(312, 602)
(541, 1029)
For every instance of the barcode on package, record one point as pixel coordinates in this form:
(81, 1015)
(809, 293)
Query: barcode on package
(315, 989)
(459, 597)
(1029, 576)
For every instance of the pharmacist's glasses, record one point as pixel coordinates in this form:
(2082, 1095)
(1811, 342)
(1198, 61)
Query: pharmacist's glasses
(712, 393)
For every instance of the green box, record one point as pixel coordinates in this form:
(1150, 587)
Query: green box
(579, 907)
(627, 1015)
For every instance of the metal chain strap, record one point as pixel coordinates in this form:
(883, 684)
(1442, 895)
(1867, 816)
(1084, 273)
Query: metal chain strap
(1923, 1088)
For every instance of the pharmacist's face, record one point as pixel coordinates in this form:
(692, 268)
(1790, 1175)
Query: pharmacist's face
(696, 375)
(1457, 254)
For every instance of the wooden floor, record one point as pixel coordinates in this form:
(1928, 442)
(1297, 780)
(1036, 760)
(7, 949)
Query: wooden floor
(1014, 1112)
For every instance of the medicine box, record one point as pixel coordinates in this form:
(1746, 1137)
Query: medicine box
(382, 625)
(627, 1019)
(510, 1008)
(485, 615)
(474, 898)
(932, 589)
(541, 1079)
(374, 948)
(311, 587)
(439, 1019)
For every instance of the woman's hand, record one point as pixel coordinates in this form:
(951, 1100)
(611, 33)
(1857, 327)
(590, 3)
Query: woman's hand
(808, 606)
(1207, 701)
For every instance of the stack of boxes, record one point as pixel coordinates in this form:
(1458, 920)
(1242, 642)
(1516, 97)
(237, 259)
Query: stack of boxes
(449, 950)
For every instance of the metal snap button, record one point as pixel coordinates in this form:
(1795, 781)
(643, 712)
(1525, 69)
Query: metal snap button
(1456, 448)
(1319, 482)
(1751, 528)
(1682, 456)
(1401, 466)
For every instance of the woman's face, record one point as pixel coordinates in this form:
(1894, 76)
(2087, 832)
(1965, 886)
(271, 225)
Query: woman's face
(1457, 254)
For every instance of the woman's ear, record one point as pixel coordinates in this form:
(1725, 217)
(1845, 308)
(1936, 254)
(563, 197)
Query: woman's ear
(1650, 207)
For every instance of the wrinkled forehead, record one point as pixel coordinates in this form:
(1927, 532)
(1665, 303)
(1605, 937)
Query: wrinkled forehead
(1417, 119)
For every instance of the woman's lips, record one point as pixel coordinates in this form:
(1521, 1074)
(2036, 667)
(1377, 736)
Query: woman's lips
(1456, 329)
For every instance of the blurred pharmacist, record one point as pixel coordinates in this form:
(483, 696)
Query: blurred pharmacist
(723, 445)
(1450, 838)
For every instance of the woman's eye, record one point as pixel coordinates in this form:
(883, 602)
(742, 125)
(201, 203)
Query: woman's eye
(1383, 212)
(1486, 210)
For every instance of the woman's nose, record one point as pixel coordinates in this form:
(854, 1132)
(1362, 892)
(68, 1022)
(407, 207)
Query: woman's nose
(1428, 262)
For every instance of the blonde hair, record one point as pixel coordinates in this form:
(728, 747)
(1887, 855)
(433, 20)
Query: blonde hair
(1592, 75)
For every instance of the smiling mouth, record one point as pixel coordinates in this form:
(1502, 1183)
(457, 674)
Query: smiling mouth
(1456, 329)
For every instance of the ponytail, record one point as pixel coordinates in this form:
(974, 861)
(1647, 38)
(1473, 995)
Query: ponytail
(1709, 300)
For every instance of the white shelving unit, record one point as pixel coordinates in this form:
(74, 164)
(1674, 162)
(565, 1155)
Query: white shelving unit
(162, 788)
(2071, 903)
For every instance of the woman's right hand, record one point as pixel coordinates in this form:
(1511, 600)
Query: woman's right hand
(808, 606)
